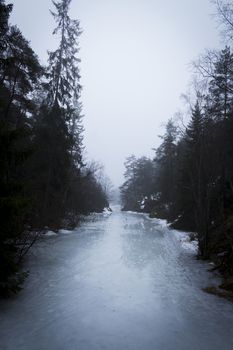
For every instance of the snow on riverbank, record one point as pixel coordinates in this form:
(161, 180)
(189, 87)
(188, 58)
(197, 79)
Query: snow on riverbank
(106, 212)
(186, 241)
(65, 232)
(50, 234)
(185, 238)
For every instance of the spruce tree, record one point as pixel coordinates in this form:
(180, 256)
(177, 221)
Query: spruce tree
(221, 86)
(58, 125)
(64, 77)
(20, 72)
(166, 159)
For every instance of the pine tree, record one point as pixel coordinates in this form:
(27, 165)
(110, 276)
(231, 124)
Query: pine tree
(5, 11)
(20, 72)
(59, 123)
(221, 86)
(197, 177)
(64, 77)
(166, 159)
(220, 110)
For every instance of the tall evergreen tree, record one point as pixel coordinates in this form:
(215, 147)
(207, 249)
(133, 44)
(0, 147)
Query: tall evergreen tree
(20, 72)
(64, 77)
(194, 182)
(166, 159)
(42, 177)
(221, 86)
(58, 124)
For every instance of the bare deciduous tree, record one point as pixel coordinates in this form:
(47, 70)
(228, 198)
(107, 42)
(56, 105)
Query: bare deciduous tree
(224, 15)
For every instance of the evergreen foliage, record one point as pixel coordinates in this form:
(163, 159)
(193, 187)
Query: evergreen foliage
(43, 181)
(193, 172)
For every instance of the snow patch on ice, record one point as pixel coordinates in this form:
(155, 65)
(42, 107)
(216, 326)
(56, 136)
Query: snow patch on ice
(65, 232)
(161, 222)
(107, 211)
(186, 242)
(183, 237)
(50, 234)
(134, 212)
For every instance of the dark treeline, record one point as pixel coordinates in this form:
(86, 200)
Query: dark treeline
(189, 181)
(44, 182)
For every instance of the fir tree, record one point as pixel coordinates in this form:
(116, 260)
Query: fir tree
(20, 72)
(64, 77)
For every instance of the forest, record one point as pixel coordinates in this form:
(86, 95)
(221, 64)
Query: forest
(45, 182)
(189, 181)
(144, 260)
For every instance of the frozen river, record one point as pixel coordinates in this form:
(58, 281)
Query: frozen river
(118, 282)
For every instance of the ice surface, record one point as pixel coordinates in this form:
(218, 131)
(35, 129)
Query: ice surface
(119, 282)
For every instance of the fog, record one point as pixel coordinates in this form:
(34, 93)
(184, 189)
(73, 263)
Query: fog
(136, 58)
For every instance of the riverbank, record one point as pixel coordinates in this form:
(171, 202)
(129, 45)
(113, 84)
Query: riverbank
(217, 259)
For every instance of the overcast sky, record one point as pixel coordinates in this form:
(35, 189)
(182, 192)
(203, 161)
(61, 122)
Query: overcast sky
(135, 65)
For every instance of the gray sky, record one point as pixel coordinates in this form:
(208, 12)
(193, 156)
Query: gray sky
(135, 65)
